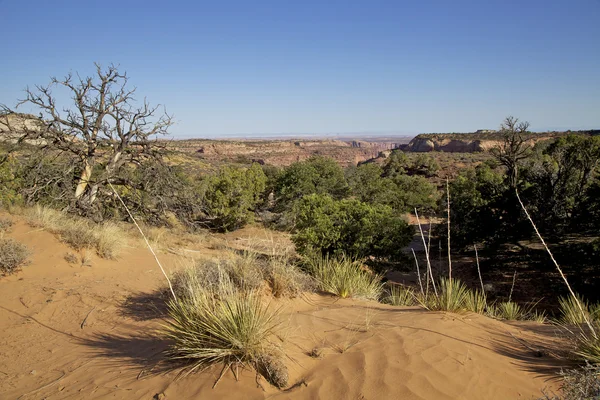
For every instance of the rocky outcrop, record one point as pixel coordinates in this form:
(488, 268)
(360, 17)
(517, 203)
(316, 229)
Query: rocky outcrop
(282, 152)
(482, 140)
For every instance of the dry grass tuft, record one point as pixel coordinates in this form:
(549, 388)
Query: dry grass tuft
(344, 277)
(13, 255)
(578, 384)
(71, 258)
(110, 240)
(107, 239)
(5, 224)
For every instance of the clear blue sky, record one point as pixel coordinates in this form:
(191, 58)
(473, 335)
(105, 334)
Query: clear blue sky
(269, 67)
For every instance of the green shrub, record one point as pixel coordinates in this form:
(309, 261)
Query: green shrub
(349, 227)
(232, 195)
(316, 175)
(13, 255)
(344, 277)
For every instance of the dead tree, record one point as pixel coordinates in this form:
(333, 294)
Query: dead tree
(102, 128)
(514, 147)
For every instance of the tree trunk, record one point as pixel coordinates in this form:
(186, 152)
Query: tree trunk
(84, 179)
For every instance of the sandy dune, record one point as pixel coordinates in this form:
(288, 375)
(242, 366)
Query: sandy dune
(74, 332)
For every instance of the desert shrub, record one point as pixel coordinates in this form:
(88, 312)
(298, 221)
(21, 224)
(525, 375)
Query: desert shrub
(224, 325)
(367, 184)
(5, 224)
(475, 301)
(559, 174)
(245, 271)
(483, 208)
(232, 195)
(10, 184)
(13, 255)
(285, 278)
(413, 192)
(400, 191)
(398, 295)
(400, 163)
(316, 175)
(344, 277)
(578, 384)
(350, 227)
(156, 193)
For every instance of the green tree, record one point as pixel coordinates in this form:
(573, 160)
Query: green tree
(317, 174)
(232, 195)
(349, 226)
(482, 207)
(558, 177)
(367, 184)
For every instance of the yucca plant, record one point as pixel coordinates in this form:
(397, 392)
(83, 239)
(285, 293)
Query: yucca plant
(570, 311)
(344, 277)
(230, 327)
(589, 346)
(398, 295)
(509, 310)
(451, 296)
(475, 301)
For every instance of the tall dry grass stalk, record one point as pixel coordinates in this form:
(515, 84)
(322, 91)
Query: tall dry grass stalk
(426, 253)
(448, 209)
(564, 278)
(146, 240)
(479, 269)
(418, 272)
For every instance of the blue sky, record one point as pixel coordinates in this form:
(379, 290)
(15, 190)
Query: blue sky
(289, 67)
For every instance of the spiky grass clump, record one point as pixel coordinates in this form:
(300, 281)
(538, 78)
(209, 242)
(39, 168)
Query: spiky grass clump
(509, 310)
(344, 277)
(225, 325)
(451, 296)
(588, 347)
(13, 255)
(475, 301)
(572, 314)
(398, 295)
